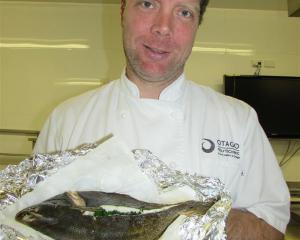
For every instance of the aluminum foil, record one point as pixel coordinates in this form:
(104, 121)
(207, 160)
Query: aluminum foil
(17, 180)
(8, 233)
(208, 189)
(211, 226)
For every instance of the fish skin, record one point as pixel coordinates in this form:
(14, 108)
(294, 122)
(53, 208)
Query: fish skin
(60, 218)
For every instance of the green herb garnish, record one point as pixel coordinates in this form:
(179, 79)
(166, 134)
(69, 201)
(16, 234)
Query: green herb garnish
(102, 213)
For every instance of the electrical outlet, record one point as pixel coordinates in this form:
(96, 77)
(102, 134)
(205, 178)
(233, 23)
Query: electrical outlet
(256, 63)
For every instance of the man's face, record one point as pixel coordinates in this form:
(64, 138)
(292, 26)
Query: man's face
(158, 37)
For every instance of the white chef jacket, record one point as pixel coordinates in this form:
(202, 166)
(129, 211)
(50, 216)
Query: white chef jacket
(190, 127)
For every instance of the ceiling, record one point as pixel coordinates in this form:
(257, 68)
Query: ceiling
(235, 4)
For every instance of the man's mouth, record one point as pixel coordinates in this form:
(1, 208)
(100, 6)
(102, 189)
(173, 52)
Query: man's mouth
(156, 53)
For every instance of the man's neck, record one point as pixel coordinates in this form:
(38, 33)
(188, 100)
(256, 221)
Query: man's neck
(149, 89)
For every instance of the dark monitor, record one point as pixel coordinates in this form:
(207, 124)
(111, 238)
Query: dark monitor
(275, 99)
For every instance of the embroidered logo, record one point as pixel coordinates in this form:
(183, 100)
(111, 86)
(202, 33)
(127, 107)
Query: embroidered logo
(223, 147)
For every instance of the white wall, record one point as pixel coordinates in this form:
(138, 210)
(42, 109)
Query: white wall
(49, 68)
(242, 36)
(39, 67)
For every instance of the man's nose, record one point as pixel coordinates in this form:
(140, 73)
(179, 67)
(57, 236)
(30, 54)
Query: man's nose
(162, 25)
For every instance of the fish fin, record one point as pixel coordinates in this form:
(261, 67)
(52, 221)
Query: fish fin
(76, 199)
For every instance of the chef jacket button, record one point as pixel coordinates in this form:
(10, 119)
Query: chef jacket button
(172, 165)
(123, 114)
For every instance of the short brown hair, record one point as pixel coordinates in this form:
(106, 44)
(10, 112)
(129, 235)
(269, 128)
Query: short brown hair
(203, 5)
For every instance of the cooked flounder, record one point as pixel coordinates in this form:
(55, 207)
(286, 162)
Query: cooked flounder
(99, 215)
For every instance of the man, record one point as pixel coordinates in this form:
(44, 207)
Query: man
(188, 126)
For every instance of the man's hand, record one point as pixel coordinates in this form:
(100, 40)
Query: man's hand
(243, 225)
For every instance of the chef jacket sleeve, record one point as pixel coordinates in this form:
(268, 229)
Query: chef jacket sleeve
(262, 190)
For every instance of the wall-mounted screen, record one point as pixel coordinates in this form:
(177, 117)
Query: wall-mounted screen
(276, 100)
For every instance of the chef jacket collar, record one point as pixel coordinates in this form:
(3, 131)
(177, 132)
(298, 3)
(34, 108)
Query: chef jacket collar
(170, 93)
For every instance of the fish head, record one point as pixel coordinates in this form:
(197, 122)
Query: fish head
(39, 215)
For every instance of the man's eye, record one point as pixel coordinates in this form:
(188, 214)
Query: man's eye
(147, 4)
(186, 13)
